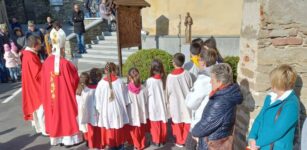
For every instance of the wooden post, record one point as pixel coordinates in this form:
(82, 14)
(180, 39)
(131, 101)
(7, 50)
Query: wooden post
(128, 20)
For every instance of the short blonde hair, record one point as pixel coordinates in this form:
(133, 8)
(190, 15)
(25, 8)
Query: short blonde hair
(283, 77)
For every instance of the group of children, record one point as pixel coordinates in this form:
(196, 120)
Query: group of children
(12, 61)
(111, 112)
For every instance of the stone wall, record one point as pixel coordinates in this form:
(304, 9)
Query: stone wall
(64, 12)
(38, 10)
(227, 45)
(25, 10)
(211, 17)
(273, 32)
(3, 14)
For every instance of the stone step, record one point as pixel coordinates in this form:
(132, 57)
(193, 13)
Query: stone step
(108, 52)
(110, 37)
(100, 37)
(97, 61)
(102, 46)
(107, 42)
(109, 33)
(104, 57)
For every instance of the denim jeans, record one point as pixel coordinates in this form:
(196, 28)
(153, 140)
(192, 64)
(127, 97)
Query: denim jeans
(14, 73)
(80, 41)
(87, 13)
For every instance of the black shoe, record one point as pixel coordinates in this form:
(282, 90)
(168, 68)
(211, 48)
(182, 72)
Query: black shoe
(155, 144)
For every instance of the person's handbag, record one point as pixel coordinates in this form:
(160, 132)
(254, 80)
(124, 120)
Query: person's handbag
(275, 119)
(220, 144)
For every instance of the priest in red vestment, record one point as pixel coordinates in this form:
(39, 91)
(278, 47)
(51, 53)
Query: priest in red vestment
(59, 95)
(31, 85)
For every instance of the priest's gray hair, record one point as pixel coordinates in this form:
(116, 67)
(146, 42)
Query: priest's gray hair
(223, 73)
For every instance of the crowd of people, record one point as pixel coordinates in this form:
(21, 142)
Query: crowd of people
(99, 8)
(13, 40)
(197, 100)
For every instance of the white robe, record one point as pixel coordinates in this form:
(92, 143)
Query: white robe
(137, 109)
(86, 109)
(193, 69)
(198, 97)
(38, 121)
(112, 114)
(177, 87)
(157, 108)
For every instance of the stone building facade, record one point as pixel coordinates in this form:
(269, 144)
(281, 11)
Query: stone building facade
(273, 32)
(38, 10)
(3, 15)
(24, 10)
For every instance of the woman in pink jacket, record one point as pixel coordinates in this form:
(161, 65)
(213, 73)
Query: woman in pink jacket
(10, 62)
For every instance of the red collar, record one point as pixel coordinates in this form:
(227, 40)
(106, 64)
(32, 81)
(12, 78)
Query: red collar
(157, 76)
(113, 78)
(177, 71)
(218, 89)
(92, 86)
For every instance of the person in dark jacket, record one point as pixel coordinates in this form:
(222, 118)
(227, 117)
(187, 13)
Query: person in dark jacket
(211, 43)
(32, 30)
(218, 117)
(19, 38)
(79, 29)
(48, 26)
(4, 39)
(87, 8)
(15, 24)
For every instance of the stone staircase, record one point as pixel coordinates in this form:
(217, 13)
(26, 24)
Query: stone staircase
(103, 49)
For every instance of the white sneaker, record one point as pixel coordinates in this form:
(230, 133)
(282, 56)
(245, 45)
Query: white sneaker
(179, 145)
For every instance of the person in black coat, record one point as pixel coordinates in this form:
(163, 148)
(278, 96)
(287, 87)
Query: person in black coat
(218, 117)
(48, 25)
(79, 29)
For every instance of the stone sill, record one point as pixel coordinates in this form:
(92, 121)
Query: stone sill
(91, 25)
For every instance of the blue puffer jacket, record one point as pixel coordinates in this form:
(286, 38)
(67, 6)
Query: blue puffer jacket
(218, 117)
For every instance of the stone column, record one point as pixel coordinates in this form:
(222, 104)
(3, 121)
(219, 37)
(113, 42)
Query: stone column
(273, 32)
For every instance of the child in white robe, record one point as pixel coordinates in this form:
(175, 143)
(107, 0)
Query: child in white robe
(82, 95)
(111, 103)
(137, 109)
(198, 97)
(178, 84)
(158, 115)
(93, 136)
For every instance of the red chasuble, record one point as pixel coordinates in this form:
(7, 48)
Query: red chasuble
(59, 98)
(31, 83)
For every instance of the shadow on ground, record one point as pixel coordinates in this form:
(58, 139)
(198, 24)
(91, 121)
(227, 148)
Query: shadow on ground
(19, 142)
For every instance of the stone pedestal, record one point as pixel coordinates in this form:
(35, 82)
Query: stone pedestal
(273, 32)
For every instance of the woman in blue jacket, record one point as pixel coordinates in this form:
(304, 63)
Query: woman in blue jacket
(274, 127)
(215, 128)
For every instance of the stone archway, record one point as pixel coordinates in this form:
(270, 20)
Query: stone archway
(273, 32)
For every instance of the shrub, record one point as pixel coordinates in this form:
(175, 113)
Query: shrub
(142, 61)
(233, 62)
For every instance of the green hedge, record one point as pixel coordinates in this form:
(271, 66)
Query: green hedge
(142, 61)
(233, 62)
